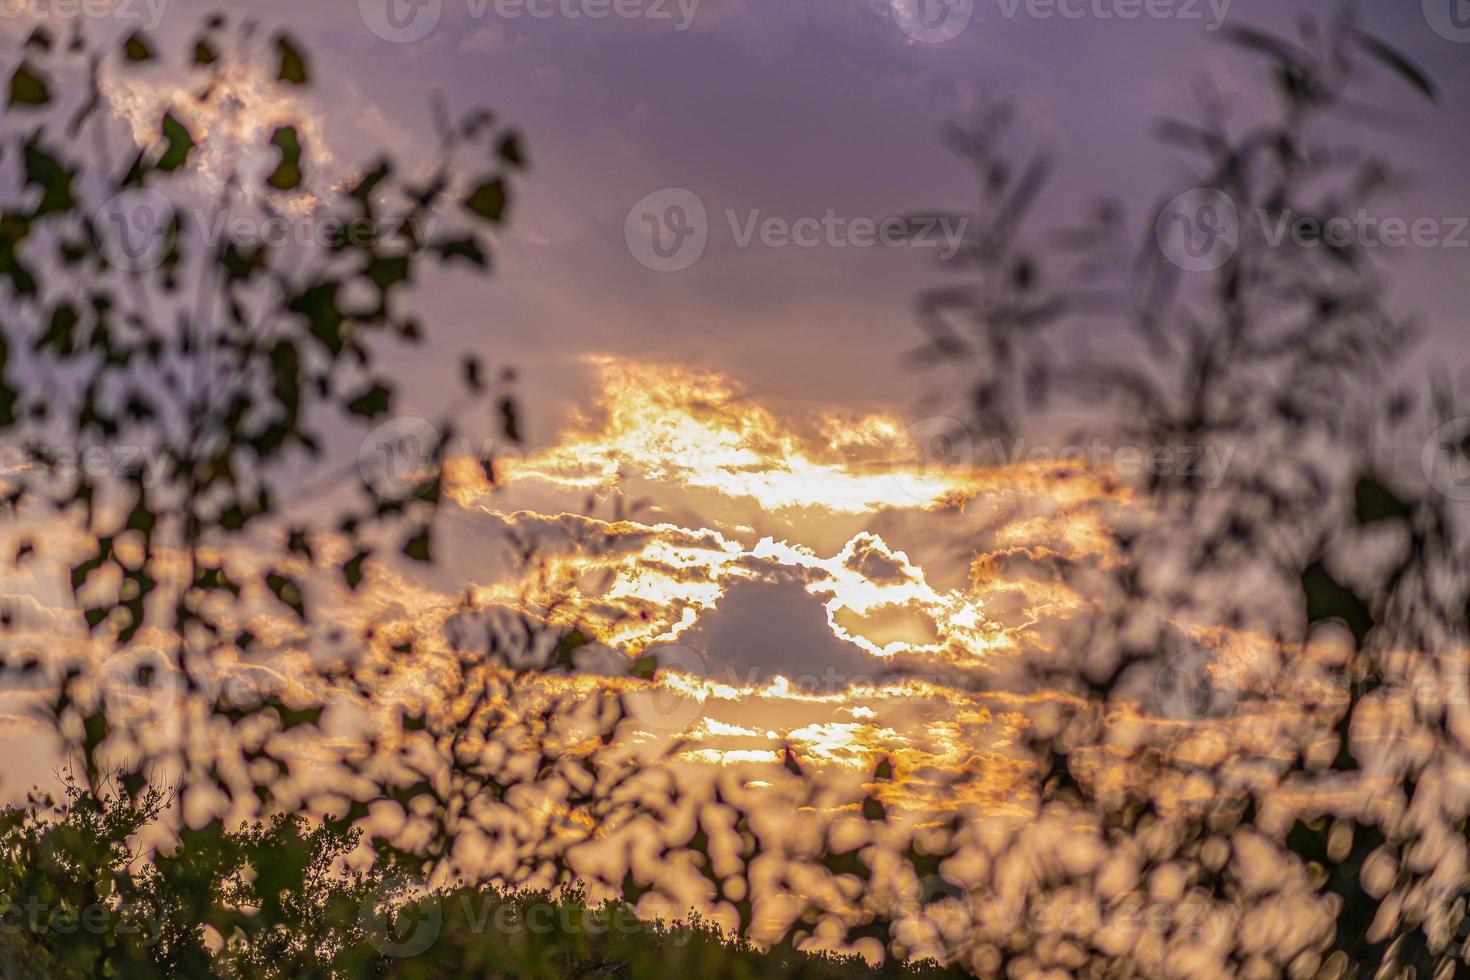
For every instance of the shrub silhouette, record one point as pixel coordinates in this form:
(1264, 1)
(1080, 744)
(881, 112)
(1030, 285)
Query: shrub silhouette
(274, 900)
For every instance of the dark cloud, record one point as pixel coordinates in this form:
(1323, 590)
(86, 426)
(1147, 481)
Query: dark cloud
(875, 565)
(772, 626)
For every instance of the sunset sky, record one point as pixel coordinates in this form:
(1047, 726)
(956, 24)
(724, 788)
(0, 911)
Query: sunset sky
(725, 465)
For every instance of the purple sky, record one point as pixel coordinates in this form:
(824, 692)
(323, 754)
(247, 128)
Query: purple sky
(792, 109)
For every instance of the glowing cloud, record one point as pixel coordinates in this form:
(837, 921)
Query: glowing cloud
(694, 429)
(634, 584)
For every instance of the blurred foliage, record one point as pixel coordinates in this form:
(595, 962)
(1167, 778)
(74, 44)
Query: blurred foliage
(242, 365)
(227, 359)
(1285, 351)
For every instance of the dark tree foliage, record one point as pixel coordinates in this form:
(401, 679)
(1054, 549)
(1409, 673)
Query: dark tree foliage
(80, 900)
(226, 361)
(1286, 351)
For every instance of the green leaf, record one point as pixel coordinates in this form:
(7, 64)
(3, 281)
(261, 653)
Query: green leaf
(180, 143)
(488, 200)
(133, 782)
(287, 175)
(1328, 599)
(363, 189)
(417, 547)
(388, 270)
(298, 543)
(846, 863)
(60, 334)
(136, 49)
(1375, 502)
(319, 305)
(287, 591)
(569, 644)
(372, 402)
(142, 518)
(293, 64)
(45, 171)
(96, 729)
(352, 570)
(466, 249)
(204, 52)
(27, 87)
(291, 718)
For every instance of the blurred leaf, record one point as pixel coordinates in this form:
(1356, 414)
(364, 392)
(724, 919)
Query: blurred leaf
(466, 249)
(179, 144)
(1375, 502)
(1395, 60)
(287, 591)
(27, 88)
(511, 151)
(509, 423)
(352, 570)
(372, 402)
(293, 64)
(136, 49)
(488, 200)
(96, 731)
(291, 718)
(387, 270)
(287, 175)
(1327, 599)
(417, 546)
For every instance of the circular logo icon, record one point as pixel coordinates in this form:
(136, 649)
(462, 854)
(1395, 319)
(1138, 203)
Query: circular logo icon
(932, 21)
(399, 457)
(929, 455)
(1450, 19)
(1446, 459)
(661, 705)
(401, 928)
(667, 230)
(1188, 688)
(1199, 230)
(401, 21)
(133, 229)
(139, 688)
